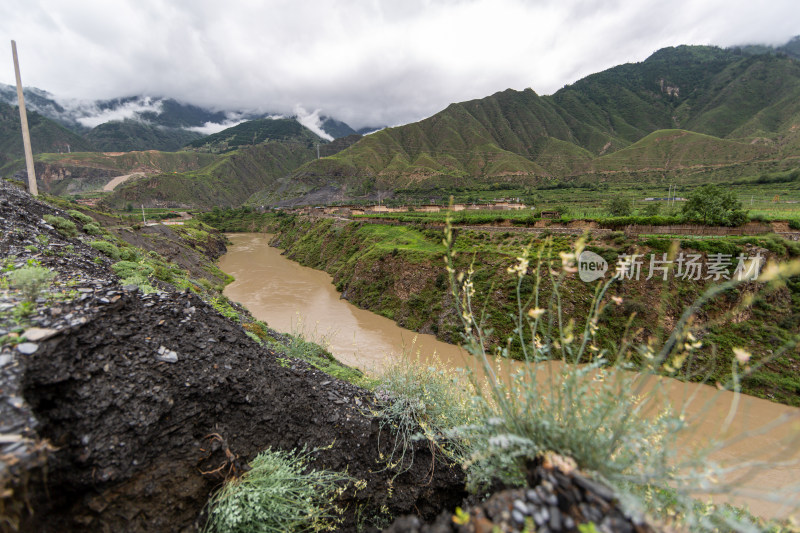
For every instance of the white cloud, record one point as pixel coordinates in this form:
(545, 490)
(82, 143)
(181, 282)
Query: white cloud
(311, 121)
(367, 63)
(89, 115)
(210, 128)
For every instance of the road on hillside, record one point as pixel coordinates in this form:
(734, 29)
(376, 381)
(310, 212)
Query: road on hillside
(111, 185)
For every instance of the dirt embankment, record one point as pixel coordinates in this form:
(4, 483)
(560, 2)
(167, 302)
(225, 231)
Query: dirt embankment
(130, 409)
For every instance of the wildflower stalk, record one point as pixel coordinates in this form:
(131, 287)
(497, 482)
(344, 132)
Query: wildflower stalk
(590, 408)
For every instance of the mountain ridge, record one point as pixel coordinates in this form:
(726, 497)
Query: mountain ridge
(726, 101)
(152, 123)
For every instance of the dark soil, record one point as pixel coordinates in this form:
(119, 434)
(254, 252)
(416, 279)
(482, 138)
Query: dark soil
(142, 405)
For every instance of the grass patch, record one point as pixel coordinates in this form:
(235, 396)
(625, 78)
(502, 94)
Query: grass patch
(65, 227)
(107, 249)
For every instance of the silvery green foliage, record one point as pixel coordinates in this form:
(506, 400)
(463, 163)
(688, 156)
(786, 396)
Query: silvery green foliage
(279, 494)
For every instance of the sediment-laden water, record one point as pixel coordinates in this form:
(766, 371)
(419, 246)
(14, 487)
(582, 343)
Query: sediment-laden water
(293, 298)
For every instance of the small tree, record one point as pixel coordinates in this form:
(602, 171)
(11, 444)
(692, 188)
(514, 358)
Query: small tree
(714, 206)
(620, 207)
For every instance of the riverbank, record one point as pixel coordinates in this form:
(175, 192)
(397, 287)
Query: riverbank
(398, 273)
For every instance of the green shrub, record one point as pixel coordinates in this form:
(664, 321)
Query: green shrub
(651, 209)
(619, 206)
(128, 269)
(106, 248)
(281, 493)
(658, 220)
(128, 254)
(658, 244)
(414, 398)
(80, 217)
(30, 280)
(712, 246)
(92, 229)
(65, 227)
(714, 206)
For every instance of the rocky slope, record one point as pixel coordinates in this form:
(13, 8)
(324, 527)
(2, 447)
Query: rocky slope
(123, 411)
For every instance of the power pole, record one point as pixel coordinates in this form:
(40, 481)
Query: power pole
(23, 118)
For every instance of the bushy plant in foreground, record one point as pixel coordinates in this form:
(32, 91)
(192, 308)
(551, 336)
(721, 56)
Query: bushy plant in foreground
(92, 228)
(279, 494)
(576, 399)
(419, 401)
(131, 273)
(30, 280)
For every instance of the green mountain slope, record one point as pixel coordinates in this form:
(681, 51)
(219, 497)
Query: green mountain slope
(228, 181)
(255, 132)
(133, 135)
(46, 136)
(686, 107)
(250, 157)
(89, 171)
(676, 149)
(336, 128)
(235, 174)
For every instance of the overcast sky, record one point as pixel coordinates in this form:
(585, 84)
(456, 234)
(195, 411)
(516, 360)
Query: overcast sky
(367, 62)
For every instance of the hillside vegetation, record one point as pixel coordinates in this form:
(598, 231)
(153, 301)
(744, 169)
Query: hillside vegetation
(397, 271)
(256, 132)
(131, 135)
(46, 135)
(227, 181)
(684, 108)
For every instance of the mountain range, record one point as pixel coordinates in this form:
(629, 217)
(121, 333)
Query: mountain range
(146, 123)
(696, 110)
(697, 113)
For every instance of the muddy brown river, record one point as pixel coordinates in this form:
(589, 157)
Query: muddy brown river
(293, 298)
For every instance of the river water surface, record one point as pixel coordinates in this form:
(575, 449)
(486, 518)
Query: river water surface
(293, 298)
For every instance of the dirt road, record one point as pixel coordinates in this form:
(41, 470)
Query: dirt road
(111, 185)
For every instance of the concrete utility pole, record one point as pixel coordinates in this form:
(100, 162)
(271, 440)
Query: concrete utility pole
(23, 118)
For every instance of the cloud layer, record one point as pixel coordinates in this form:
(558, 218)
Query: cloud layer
(365, 62)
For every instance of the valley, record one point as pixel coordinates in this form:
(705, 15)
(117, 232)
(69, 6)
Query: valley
(609, 276)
